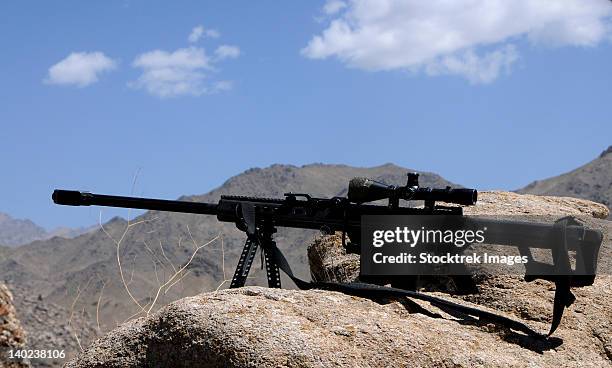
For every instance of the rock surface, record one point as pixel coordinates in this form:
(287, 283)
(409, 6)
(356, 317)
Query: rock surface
(513, 204)
(12, 335)
(260, 327)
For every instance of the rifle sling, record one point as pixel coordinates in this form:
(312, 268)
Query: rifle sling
(367, 290)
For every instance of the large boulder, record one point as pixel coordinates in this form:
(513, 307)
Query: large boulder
(260, 327)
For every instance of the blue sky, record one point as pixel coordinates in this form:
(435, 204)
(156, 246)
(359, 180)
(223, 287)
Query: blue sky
(524, 99)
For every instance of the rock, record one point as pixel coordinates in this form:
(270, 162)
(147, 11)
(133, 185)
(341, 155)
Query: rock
(513, 204)
(261, 327)
(330, 262)
(52, 327)
(12, 335)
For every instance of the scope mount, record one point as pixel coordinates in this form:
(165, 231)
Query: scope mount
(407, 192)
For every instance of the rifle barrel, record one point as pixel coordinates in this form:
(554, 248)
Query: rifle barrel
(76, 198)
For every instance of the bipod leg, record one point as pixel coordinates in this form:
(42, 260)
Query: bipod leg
(272, 270)
(267, 245)
(245, 262)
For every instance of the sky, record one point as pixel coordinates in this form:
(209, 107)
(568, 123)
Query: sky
(490, 94)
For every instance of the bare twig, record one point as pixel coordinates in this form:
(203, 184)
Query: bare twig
(181, 269)
(98, 305)
(156, 275)
(223, 259)
(177, 281)
(118, 254)
(164, 254)
(225, 280)
(133, 269)
(221, 284)
(154, 254)
(79, 291)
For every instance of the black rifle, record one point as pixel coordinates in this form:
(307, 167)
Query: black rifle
(259, 217)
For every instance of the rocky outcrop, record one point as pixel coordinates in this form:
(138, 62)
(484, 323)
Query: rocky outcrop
(512, 204)
(260, 327)
(12, 335)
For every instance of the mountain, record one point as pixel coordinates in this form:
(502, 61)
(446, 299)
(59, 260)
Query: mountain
(15, 232)
(69, 232)
(82, 275)
(4, 252)
(592, 181)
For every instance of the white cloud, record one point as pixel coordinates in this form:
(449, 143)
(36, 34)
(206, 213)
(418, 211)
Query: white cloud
(477, 69)
(212, 33)
(333, 6)
(198, 32)
(80, 69)
(182, 72)
(223, 86)
(448, 37)
(227, 52)
(167, 74)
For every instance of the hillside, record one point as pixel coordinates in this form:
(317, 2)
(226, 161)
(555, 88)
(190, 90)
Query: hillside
(4, 251)
(78, 272)
(592, 181)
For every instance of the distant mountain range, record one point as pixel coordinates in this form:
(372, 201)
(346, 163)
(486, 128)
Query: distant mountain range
(15, 232)
(592, 181)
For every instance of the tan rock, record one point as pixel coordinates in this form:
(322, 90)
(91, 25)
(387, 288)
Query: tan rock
(12, 335)
(261, 327)
(508, 203)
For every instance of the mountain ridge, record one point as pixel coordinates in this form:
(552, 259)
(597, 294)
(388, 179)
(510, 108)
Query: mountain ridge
(15, 232)
(592, 181)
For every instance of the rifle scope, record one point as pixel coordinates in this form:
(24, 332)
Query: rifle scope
(363, 190)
